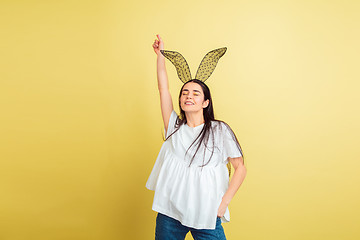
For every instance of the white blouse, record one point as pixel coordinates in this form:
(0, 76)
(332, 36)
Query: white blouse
(192, 195)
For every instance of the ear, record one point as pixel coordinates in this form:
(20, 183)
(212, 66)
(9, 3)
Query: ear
(180, 64)
(208, 64)
(205, 103)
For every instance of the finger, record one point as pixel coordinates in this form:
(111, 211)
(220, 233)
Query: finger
(160, 39)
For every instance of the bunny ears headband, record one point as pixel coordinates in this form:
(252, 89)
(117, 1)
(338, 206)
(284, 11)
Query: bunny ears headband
(206, 68)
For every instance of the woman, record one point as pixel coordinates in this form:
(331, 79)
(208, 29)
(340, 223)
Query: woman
(190, 176)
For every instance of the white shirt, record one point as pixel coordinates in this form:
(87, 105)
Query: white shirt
(192, 195)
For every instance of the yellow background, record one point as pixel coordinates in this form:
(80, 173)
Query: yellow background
(81, 124)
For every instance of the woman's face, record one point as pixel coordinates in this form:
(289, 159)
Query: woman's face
(192, 98)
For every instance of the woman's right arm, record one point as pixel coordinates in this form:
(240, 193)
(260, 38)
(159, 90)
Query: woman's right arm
(163, 84)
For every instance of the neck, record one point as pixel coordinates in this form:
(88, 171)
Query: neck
(194, 119)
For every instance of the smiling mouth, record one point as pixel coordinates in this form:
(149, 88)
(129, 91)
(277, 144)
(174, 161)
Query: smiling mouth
(189, 103)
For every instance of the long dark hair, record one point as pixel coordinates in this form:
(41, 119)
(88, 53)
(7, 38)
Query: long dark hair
(208, 114)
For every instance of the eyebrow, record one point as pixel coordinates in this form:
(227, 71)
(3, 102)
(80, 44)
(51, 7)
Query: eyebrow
(194, 90)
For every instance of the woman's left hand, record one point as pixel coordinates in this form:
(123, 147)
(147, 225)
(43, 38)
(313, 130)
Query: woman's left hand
(222, 209)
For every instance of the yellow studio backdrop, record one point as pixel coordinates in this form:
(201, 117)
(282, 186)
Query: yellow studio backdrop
(81, 123)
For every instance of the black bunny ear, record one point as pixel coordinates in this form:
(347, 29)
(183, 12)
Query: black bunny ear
(208, 64)
(180, 64)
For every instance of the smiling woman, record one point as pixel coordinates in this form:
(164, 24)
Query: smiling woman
(192, 98)
(190, 176)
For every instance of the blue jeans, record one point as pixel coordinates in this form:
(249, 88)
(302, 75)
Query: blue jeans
(168, 228)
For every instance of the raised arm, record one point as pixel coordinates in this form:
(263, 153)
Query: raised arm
(163, 84)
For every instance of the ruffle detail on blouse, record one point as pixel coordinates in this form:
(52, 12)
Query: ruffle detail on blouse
(192, 195)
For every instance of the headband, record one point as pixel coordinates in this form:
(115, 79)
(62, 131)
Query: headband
(206, 67)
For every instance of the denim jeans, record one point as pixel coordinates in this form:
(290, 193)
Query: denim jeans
(168, 228)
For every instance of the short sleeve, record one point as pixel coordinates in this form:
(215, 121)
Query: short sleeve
(171, 125)
(230, 146)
